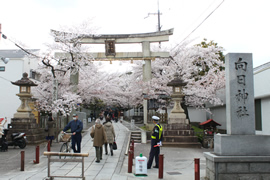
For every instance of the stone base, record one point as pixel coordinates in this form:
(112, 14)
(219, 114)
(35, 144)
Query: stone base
(179, 135)
(179, 118)
(237, 167)
(241, 145)
(23, 115)
(34, 134)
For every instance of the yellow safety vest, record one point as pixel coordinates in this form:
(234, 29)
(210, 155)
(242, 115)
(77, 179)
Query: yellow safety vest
(160, 131)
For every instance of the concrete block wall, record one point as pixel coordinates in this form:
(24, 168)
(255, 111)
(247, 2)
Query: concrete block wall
(237, 170)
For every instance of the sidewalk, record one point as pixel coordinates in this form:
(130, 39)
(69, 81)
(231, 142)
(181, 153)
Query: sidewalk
(178, 162)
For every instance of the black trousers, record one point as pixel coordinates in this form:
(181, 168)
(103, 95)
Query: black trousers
(106, 147)
(154, 153)
(76, 140)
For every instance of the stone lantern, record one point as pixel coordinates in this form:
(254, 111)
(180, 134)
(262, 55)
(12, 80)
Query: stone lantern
(178, 131)
(177, 114)
(24, 120)
(24, 111)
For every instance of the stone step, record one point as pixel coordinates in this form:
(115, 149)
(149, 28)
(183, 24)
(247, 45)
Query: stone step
(137, 141)
(178, 133)
(180, 138)
(182, 144)
(136, 136)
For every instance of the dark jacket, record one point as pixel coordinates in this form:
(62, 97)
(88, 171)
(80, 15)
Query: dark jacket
(75, 126)
(51, 128)
(156, 137)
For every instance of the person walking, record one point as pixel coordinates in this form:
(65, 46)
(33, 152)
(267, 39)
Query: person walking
(156, 138)
(110, 134)
(76, 127)
(98, 133)
(51, 129)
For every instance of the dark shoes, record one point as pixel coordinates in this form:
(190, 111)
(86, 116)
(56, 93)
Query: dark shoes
(153, 167)
(97, 161)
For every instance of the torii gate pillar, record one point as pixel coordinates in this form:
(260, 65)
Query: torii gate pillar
(146, 75)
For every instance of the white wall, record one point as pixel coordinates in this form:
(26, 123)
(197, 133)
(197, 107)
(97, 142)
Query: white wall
(196, 115)
(265, 105)
(219, 115)
(9, 101)
(262, 84)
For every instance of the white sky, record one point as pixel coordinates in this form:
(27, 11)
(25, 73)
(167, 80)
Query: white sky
(237, 25)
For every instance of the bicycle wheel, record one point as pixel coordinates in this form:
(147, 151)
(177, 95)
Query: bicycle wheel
(64, 149)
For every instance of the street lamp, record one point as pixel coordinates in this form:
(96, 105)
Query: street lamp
(5, 60)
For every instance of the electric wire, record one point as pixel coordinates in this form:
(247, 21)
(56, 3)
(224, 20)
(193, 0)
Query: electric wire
(199, 25)
(198, 17)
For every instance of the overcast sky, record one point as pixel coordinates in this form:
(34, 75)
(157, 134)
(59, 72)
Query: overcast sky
(237, 25)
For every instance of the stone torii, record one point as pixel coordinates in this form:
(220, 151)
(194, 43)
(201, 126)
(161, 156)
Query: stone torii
(110, 54)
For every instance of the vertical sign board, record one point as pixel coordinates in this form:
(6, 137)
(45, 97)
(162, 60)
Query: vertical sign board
(240, 113)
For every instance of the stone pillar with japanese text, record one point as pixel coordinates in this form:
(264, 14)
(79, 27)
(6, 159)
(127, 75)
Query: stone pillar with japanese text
(240, 115)
(240, 153)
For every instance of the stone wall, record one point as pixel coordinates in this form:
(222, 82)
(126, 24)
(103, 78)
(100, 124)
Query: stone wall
(241, 167)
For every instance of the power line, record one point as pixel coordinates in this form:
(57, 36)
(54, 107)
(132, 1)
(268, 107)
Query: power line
(199, 17)
(5, 79)
(199, 24)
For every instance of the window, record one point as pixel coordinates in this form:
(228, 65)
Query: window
(258, 115)
(177, 89)
(32, 74)
(2, 68)
(110, 48)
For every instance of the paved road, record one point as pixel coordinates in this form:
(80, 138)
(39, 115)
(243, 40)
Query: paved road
(11, 160)
(178, 162)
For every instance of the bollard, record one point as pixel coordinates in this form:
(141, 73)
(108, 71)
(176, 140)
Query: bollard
(49, 146)
(133, 149)
(132, 154)
(197, 168)
(37, 155)
(129, 162)
(160, 166)
(22, 160)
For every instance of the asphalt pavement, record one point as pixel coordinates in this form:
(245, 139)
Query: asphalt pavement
(178, 162)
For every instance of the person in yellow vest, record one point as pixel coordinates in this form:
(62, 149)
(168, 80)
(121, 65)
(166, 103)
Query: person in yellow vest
(156, 139)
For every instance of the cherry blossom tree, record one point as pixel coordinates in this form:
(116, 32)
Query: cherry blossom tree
(189, 62)
(123, 89)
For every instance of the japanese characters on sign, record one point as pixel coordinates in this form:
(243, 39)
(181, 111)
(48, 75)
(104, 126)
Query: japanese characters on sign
(242, 94)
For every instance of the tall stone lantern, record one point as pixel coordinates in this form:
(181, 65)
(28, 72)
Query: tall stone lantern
(178, 131)
(177, 114)
(24, 120)
(24, 111)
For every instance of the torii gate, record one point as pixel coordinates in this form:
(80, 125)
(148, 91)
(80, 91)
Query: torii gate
(110, 53)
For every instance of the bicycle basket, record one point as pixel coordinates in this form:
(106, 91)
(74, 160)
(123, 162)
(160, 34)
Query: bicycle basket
(65, 138)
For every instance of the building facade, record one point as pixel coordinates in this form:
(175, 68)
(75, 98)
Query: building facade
(19, 62)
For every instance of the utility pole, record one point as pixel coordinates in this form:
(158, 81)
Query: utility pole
(158, 14)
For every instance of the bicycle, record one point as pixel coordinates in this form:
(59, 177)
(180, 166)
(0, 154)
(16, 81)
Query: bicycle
(66, 146)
